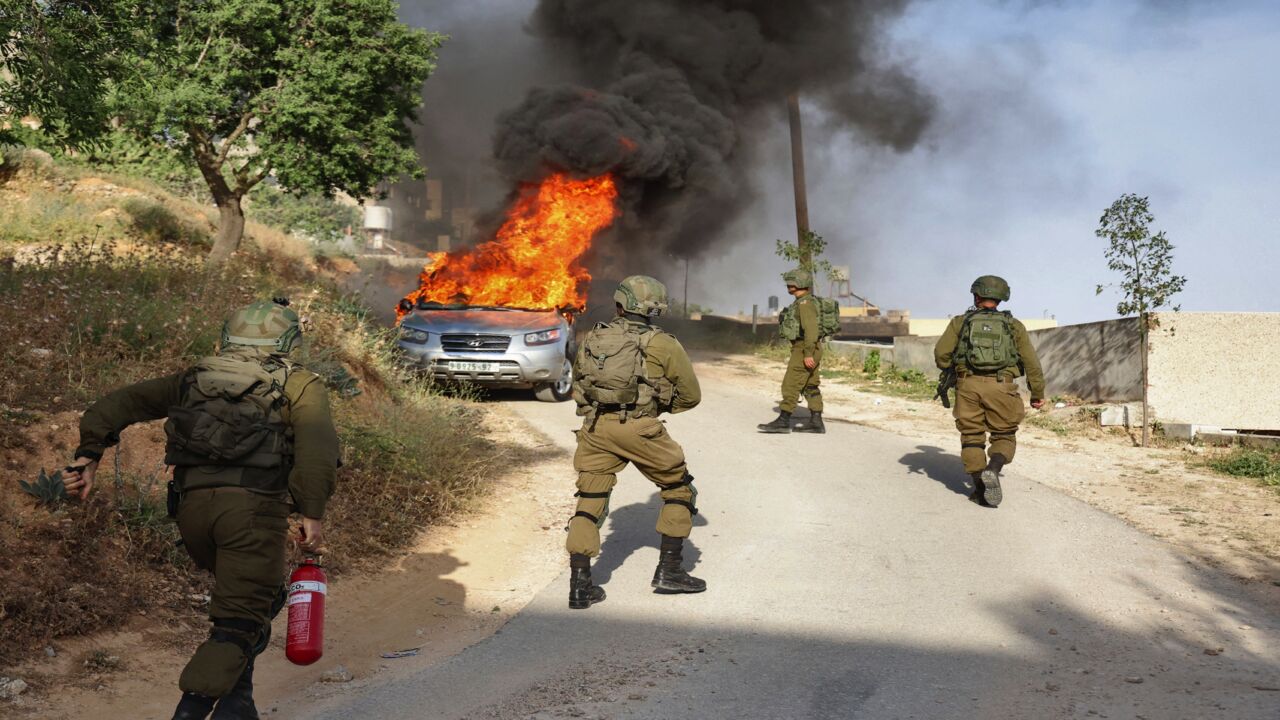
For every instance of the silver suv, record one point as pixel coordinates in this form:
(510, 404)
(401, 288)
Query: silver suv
(491, 346)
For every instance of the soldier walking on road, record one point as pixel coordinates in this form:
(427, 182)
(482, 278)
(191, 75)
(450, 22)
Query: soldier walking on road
(627, 373)
(799, 324)
(250, 438)
(988, 349)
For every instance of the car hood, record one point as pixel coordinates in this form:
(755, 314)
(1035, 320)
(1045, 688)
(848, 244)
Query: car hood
(481, 321)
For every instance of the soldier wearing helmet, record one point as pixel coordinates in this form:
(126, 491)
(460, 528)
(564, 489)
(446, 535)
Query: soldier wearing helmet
(988, 349)
(799, 324)
(250, 439)
(628, 372)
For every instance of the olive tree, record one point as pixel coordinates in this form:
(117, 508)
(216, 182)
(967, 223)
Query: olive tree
(318, 94)
(1145, 264)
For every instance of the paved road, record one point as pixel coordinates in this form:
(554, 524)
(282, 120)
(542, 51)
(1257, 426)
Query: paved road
(850, 578)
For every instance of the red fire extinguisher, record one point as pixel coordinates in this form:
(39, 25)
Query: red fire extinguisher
(307, 588)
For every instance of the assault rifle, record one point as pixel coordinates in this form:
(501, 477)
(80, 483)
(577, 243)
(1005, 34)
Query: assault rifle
(946, 381)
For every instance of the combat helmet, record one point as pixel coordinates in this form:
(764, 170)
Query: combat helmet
(642, 295)
(799, 277)
(991, 287)
(266, 324)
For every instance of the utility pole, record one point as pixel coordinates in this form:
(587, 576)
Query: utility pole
(797, 176)
(686, 288)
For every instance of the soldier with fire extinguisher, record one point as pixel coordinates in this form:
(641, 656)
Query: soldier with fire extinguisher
(250, 438)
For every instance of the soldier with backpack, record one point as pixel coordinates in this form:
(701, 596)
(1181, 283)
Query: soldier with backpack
(250, 440)
(988, 349)
(627, 373)
(805, 324)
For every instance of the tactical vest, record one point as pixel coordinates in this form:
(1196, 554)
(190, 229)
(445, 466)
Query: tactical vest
(614, 374)
(987, 343)
(229, 427)
(828, 318)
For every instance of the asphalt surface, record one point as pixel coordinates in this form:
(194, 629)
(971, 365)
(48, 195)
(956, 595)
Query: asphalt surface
(849, 577)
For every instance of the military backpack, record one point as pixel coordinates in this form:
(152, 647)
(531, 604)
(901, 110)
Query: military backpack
(828, 318)
(231, 416)
(987, 344)
(614, 376)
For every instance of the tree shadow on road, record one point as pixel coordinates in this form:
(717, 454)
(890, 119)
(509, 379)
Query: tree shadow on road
(632, 528)
(938, 466)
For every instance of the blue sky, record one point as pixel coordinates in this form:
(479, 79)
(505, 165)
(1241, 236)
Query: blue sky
(1048, 111)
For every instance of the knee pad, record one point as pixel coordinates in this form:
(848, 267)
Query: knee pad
(247, 635)
(691, 503)
(597, 520)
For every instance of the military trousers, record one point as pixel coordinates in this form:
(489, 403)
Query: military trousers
(239, 536)
(987, 405)
(605, 446)
(800, 380)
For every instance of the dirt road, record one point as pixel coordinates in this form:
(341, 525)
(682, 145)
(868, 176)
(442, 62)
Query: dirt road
(850, 578)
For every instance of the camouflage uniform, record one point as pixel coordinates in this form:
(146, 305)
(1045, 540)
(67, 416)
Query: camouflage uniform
(988, 403)
(800, 380)
(614, 435)
(609, 440)
(234, 519)
(800, 325)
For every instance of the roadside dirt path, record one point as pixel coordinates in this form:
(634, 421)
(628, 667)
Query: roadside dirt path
(456, 586)
(1229, 523)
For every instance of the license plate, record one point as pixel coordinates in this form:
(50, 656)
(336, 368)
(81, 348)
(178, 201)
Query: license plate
(473, 367)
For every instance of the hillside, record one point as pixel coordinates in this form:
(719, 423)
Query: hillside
(101, 284)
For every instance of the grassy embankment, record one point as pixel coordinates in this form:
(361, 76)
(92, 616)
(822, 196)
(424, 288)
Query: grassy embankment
(102, 284)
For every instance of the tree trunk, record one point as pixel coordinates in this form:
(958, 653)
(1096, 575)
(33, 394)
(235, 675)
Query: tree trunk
(1146, 349)
(230, 229)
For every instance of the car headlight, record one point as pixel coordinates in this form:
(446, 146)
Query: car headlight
(544, 337)
(414, 335)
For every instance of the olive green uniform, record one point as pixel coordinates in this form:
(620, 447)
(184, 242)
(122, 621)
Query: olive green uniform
(608, 441)
(799, 379)
(989, 402)
(237, 533)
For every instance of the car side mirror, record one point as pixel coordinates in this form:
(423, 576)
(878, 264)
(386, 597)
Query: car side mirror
(406, 305)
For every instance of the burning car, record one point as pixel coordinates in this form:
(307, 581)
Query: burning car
(499, 347)
(488, 314)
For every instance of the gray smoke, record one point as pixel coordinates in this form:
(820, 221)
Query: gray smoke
(670, 90)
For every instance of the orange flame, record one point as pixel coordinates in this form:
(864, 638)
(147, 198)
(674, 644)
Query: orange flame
(532, 263)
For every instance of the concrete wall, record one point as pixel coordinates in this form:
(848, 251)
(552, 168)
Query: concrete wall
(1209, 369)
(1098, 362)
(933, 327)
(1218, 369)
(858, 351)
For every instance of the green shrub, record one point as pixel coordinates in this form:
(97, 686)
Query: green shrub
(1247, 462)
(314, 216)
(871, 365)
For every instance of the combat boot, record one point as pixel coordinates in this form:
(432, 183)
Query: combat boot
(813, 425)
(670, 577)
(978, 487)
(780, 425)
(991, 480)
(193, 707)
(238, 704)
(582, 594)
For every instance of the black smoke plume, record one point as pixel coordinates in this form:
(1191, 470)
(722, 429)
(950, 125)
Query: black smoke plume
(671, 89)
